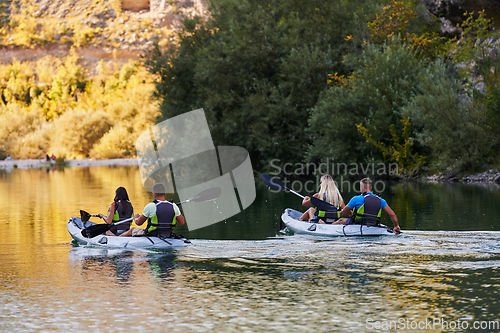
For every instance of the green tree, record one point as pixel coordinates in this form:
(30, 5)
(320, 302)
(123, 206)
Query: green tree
(452, 124)
(477, 58)
(372, 97)
(257, 68)
(476, 51)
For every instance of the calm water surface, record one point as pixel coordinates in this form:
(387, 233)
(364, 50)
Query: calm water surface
(243, 275)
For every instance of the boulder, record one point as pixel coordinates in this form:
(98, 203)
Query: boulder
(451, 12)
(135, 5)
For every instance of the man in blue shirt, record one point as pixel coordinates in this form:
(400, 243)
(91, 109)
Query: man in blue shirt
(367, 207)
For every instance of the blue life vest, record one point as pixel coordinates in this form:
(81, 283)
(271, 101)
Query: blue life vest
(370, 212)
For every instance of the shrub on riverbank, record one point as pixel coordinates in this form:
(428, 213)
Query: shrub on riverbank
(54, 105)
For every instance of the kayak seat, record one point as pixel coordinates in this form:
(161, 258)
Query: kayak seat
(326, 220)
(368, 221)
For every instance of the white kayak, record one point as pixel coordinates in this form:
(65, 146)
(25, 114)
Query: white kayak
(291, 219)
(75, 229)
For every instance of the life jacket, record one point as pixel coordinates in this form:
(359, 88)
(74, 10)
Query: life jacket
(328, 216)
(370, 212)
(164, 220)
(129, 212)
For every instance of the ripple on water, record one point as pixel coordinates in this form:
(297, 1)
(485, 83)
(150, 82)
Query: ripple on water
(278, 284)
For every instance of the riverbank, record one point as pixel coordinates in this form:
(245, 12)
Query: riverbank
(42, 163)
(490, 176)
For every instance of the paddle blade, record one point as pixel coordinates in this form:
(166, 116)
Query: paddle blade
(84, 216)
(322, 205)
(95, 230)
(208, 194)
(273, 183)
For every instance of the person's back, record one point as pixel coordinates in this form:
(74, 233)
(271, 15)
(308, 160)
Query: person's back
(162, 216)
(328, 193)
(367, 208)
(163, 220)
(121, 209)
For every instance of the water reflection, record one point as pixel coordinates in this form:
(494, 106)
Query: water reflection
(238, 275)
(121, 264)
(449, 206)
(279, 284)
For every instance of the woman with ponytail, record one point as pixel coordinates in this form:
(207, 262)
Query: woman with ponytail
(120, 209)
(329, 193)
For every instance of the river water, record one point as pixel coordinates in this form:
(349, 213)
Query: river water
(243, 275)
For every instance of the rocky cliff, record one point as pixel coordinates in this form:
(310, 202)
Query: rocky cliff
(451, 12)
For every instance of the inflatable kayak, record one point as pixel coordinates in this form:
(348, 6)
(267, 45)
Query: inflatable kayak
(75, 226)
(291, 219)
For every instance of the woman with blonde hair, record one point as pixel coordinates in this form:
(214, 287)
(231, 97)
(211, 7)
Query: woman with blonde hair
(329, 193)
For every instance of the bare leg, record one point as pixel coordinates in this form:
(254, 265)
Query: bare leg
(127, 233)
(308, 215)
(342, 220)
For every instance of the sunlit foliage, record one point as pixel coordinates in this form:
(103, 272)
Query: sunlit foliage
(77, 23)
(55, 106)
(401, 19)
(407, 100)
(399, 151)
(354, 81)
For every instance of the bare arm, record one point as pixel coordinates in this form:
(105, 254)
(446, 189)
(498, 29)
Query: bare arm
(139, 219)
(393, 217)
(180, 219)
(346, 211)
(307, 200)
(108, 219)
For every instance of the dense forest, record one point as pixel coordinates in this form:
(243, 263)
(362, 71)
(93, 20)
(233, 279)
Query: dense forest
(366, 81)
(354, 81)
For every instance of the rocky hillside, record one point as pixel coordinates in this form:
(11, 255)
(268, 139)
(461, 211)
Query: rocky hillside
(451, 12)
(128, 27)
(97, 28)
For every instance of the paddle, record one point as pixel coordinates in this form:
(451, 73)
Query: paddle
(277, 185)
(94, 230)
(323, 205)
(206, 195)
(98, 229)
(86, 216)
